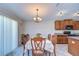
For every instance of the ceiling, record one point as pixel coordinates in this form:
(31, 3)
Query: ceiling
(48, 11)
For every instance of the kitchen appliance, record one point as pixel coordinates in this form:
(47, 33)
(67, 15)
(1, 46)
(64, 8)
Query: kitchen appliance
(69, 27)
(67, 32)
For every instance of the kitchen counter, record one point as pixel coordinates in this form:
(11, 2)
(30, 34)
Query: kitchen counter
(74, 37)
(59, 34)
(67, 34)
(73, 45)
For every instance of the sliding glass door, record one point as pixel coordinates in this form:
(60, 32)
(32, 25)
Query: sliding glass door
(8, 35)
(1, 35)
(14, 34)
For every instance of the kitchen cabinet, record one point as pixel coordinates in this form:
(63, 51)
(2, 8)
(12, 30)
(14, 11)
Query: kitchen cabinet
(61, 24)
(68, 22)
(58, 25)
(76, 25)
(60, 39)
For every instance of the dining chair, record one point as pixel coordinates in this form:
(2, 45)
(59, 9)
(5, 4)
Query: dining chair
(49, 38)
(38, 45)
(25, 38)
(54, 41)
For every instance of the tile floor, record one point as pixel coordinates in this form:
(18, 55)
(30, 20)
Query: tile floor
(61, 50)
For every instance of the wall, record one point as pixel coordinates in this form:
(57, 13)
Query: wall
(44, 27)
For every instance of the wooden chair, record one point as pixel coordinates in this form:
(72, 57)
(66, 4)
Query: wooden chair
(25, 38)
(38, 45)
(49, 38)
(54, 41)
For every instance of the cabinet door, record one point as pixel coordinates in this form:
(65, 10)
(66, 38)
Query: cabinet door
(59, 39)
(57, 25)
(62, 25)
(68, 22)
(62, 39)
(65, 40)
(77, 25)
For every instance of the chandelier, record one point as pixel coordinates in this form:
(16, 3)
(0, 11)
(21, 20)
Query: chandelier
(37, 19)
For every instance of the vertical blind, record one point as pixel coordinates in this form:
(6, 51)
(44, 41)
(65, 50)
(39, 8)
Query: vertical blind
(8, 35)
(1, 35)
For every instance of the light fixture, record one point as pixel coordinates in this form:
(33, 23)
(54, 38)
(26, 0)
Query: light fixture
(76, 14)
(60, 13)
(37, 19)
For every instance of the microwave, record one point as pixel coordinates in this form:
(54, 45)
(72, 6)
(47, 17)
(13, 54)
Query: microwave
(69, 27)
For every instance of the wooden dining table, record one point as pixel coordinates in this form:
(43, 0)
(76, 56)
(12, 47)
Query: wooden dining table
(48, 46)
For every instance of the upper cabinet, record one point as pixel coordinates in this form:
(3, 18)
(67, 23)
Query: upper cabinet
(58, 25)
(66, 24)
(76, 25)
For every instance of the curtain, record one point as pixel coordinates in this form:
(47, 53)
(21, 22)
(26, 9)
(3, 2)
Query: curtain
(8, 35)
(1, 35)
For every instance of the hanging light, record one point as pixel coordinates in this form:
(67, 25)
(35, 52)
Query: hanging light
(76, 14)
(37, 19)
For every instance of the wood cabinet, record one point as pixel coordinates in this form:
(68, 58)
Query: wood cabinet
(68, 22)
(76, 25)
(61, 24)
(73, 46)
(58, 25)
(60, 39)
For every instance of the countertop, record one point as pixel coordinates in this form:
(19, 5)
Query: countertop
(59, 34)
(74, 37)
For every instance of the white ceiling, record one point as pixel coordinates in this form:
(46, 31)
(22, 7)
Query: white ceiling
(47, 11)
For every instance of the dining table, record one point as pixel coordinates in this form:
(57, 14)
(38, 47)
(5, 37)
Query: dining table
(48, 46)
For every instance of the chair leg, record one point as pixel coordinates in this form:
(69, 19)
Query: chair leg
(28, 52)
(23, 53)
(49, 53)
(45, 52)
(54, 50)
(23, 50)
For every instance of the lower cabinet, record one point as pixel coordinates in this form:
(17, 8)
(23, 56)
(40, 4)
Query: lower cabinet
(60, 39)
(73, 46)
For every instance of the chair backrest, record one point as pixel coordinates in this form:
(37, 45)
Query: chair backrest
(25, 38)
(38, 43)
